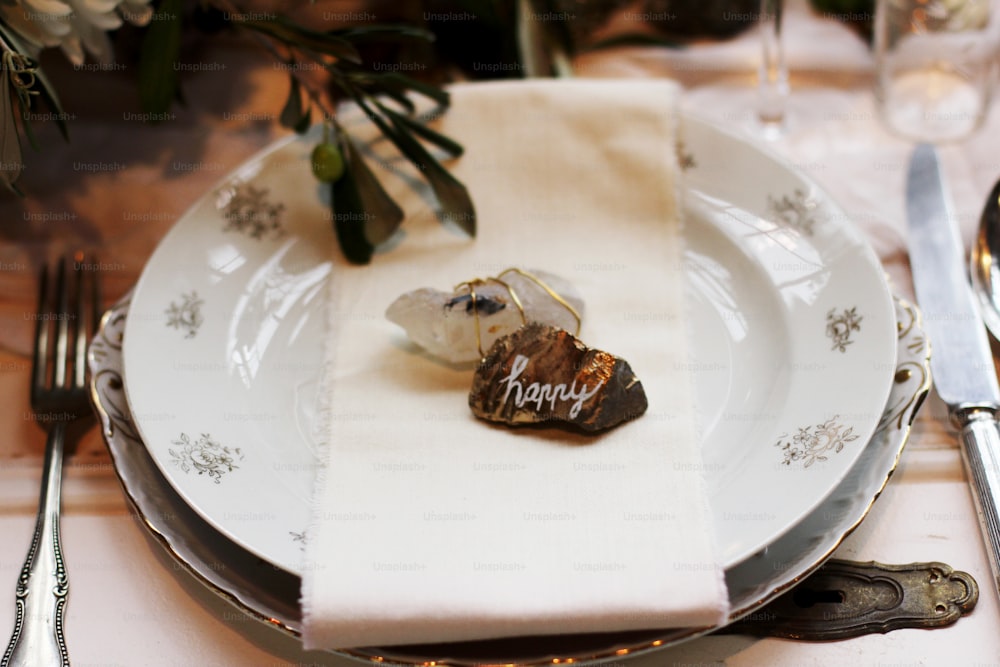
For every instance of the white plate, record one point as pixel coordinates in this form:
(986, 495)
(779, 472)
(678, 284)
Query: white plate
(271, 595)
(792, 321)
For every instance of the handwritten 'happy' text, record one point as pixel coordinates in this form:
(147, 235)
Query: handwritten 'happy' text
(538, 393)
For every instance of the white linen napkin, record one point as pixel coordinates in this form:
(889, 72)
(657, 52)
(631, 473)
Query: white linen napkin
(430, 525)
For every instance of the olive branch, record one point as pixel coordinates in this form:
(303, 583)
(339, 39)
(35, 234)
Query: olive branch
(364, 214)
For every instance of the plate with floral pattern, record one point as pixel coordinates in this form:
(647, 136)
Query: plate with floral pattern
(793, 344)
(271, 595)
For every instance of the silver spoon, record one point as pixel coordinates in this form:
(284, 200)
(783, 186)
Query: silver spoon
(984, 267)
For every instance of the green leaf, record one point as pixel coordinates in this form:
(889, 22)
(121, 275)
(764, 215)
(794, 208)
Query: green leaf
(45, 88)
(28, 132)
(48, 93)
(453, 198)
(397, 95)
(346, 202)
(364, 214)
(158, 54)
(10, 143)
(384, 33)
(293, 115)
(409, 83)
(447, 144)
(304, 123)
(292, 34)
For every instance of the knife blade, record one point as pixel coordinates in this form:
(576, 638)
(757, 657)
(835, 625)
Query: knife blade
(961, 360)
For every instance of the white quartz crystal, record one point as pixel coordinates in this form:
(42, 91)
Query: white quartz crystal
(443, 323)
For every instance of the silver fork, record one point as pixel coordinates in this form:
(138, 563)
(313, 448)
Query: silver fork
(58, 397)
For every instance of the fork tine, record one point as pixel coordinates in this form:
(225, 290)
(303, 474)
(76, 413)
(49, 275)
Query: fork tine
(38, 369)
(96, 306)
(62, 327)
(83, 322)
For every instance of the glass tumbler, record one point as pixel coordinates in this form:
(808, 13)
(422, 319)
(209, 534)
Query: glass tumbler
(935, 66)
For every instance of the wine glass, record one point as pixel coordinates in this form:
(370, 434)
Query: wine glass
(773, 72)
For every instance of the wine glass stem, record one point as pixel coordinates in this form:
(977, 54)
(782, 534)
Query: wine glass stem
(773, 75)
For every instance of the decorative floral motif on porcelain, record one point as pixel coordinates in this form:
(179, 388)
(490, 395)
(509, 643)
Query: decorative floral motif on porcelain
(840, 326)
(186, 315)
(685, 160)
(815, 443)
(299, 538)
(795, 211)
(249, 210)
(204, 456)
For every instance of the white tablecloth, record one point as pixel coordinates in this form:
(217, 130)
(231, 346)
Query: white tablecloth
(129, 605)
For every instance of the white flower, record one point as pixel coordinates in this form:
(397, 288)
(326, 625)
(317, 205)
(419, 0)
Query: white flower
(76, 26)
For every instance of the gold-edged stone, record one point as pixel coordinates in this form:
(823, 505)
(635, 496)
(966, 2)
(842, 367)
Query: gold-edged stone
(542, 373)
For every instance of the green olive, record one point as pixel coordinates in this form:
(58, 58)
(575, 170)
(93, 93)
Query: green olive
(327, 162)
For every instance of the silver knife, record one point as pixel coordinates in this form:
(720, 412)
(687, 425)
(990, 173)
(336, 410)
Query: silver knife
(961, 361)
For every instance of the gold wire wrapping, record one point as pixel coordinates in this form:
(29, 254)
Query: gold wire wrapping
(498, 279)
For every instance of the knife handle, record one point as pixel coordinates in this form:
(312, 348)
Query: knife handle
(980, 440)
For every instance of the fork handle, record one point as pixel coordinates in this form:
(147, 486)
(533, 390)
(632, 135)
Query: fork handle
(43, 585)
